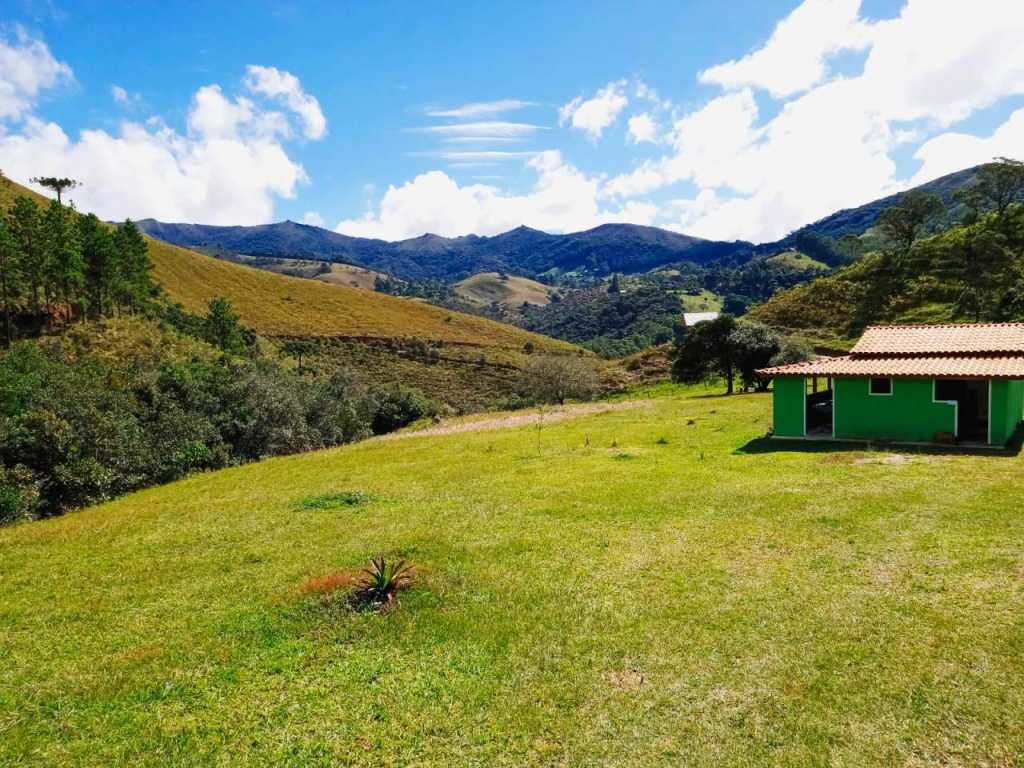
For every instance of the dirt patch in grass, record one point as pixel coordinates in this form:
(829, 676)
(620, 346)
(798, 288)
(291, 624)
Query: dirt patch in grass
(896, 459)
(525, 418)
(329, 582)
(629, 678)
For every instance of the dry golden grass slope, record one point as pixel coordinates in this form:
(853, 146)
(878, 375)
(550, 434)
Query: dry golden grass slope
(278, 305)
(488, 287)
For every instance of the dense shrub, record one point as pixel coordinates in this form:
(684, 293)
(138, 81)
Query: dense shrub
(396, 407)
(114, 407)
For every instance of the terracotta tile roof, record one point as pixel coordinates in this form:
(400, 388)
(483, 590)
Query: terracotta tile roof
(975, 338)
(954, 367)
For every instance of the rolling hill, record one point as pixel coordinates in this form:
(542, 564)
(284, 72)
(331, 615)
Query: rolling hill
(491, 287)
(528, 252)
(467, 362)
(966, 273)
(645, 585)
(283, 306)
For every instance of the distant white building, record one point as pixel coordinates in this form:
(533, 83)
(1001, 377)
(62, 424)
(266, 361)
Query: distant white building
(690, 319)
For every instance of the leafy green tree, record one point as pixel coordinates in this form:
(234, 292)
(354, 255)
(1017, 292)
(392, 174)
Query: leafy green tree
(57, 184)
(997, 186)
(753, 346)
(26, 225)
(792, 349)
(557, 378)
(903, 223)
(976, 260)
(298, 348)
(222, 327)
(10, 277)
(705, 351)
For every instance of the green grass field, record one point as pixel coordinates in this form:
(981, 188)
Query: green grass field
(798, 261)
(644, 586)
(705, 301)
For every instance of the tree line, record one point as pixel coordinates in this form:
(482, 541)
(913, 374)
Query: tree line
(57, 266)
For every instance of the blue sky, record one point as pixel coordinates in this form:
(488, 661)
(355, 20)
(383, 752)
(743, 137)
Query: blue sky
(651, 112)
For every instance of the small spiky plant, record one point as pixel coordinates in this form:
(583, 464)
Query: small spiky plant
(382, 580)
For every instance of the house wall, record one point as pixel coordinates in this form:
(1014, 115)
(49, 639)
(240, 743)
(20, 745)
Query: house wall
(788, 406)
(1007, 409)
(908, 414)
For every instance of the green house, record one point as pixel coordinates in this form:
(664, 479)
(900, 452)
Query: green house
(908, 383)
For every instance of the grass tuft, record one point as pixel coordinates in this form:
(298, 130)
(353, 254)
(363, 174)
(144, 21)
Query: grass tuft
(336, 500)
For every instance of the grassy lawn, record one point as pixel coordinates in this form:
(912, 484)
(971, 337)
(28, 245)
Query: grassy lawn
(626, 588)
(706, 301)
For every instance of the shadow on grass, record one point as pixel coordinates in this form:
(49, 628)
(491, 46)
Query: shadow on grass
(768, 444)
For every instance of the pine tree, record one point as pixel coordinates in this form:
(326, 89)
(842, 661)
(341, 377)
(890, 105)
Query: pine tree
(64, 269)
(102, 267)
(133, 285)
(10, 277)
(57, 184)
(221, 327)
(25, 224)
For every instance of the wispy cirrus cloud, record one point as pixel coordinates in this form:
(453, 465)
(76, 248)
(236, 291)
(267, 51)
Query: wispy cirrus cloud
(493, 129)
(482, 108)
(474, 156)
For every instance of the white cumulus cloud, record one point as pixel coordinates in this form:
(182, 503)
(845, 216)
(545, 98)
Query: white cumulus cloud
(228, 167)
(830, 144)
(313, 218)
(595, 114)
(285, 88)
(26, 68)
(562, 199)
(641, 128)
(952, 151)
(794, 58)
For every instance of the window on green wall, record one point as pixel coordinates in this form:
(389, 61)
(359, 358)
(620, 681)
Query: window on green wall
(880, 387)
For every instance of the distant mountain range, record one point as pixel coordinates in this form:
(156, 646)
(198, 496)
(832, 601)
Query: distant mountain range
(606, 249)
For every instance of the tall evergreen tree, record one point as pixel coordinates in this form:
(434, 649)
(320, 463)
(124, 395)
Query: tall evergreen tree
(25, 224)
(10, 277)
(133, 285)
(62, 258)
(222, 327)
(102, 269)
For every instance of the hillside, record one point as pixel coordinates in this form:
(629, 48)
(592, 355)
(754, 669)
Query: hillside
(856, 221)
(967, 273)
(333, 273)
(279, 305)
(598, 252)
(491, 287)
(650, 586)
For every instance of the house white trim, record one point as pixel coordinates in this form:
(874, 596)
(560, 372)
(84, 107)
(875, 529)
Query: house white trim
(892, 386)
(954, 403)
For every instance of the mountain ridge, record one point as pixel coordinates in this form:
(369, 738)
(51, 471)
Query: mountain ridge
(601, 250)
